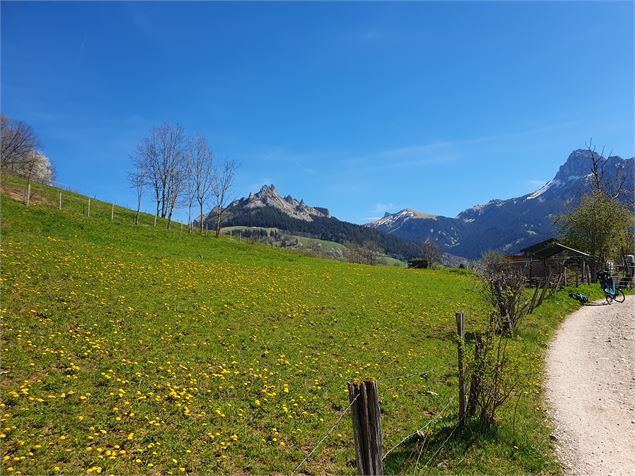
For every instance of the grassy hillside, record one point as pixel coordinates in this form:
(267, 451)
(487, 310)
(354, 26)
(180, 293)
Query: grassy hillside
(306, 244)
(129, 349)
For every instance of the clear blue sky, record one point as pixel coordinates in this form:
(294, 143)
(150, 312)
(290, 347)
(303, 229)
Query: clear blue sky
(358, 107)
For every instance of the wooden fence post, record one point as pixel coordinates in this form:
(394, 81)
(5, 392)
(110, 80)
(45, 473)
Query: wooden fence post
(460, 331)
(366, 416)
(88, 207)
(155, 220)
(59, 200)
(112, 212)
(544, 290)
(557, 285)
(28, 194)
(533, 298)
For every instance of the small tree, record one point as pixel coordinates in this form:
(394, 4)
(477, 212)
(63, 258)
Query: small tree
(598, 225)
(367, 252)
(163, 159)
(202, 172)
(430, 252)
(137, 181)
(190, 194)
(35, 167)
(222, 182)
(504, 287)
(491, 375)
(491, 381)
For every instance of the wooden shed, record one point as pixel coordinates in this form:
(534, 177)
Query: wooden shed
(553, 258)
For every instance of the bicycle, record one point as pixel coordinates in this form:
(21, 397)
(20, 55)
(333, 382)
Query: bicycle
(612, 292)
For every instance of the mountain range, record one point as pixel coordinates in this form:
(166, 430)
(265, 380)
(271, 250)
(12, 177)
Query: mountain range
(268, 209)
(503, 225)
(512, 224)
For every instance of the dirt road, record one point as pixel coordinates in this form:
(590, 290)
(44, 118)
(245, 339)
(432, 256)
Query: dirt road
(591, 389)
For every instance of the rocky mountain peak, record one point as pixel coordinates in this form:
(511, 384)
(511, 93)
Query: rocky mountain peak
(578, 165)
(267, 191)
(268, 197)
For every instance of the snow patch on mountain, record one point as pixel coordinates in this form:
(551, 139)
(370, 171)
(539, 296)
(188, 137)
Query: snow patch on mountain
(390, 219)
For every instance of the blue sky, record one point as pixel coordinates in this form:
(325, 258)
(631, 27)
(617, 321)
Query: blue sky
(358, 107)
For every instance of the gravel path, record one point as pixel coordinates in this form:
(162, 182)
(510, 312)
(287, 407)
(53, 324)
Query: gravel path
(591, 389)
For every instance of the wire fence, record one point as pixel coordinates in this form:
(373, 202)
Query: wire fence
(414, 433)
(418, 431)
(67, 198)
(306, 458)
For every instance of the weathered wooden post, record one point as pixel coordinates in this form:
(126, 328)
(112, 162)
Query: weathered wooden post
(366, 416)
(460, 331)
(544, 290)
(533, 298)
(155, 220)
(28, 194)
(88, 207)
(59, 200)
(112, 212)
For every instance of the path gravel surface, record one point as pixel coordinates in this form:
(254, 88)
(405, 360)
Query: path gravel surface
(591, 389)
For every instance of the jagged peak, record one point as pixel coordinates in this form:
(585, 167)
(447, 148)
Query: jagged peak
(267, 190)
(578, 164)
(268, 196)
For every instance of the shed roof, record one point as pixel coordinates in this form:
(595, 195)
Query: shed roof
(548, 248)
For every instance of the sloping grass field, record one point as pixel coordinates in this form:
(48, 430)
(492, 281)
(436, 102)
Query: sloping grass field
(134, 349)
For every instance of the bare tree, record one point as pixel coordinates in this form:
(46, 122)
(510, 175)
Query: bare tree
(138, 181)
(222, 182)
(202, 173)
(190, 194)
(493, 375)
(146, 162)
(18, 141)
(612, 187)
(430, 252)
(162, 156)
(504, 287)
(177, 181)
(367, 252)
(19, 153)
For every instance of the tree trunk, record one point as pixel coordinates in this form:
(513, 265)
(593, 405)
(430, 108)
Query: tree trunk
(201, 216)
(218, 222)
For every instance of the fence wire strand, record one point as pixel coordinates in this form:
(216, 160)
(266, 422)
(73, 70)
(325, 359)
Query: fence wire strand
(430, 422)
(306, 458)
(440, 447)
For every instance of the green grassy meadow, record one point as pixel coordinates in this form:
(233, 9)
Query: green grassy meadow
(134, 349)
